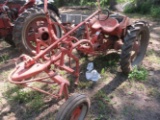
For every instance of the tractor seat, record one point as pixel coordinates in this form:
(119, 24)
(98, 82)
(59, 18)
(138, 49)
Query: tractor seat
(108, 25)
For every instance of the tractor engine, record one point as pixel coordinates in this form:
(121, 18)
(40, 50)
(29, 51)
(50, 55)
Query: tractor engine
(7, 16)
(100, 39)
(11, 13)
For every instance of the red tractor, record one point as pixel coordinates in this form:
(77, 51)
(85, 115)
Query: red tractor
(97, 34)
(18, 19)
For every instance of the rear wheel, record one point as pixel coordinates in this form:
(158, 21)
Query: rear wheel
(75, 108)
(32, 25)
(135, 46)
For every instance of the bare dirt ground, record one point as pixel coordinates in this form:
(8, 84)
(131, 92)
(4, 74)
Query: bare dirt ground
(113, 97)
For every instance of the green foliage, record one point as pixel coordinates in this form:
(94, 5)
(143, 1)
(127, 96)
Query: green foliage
(81, 2)
(59, 3)
(111, 63)
(93, 2)
(138, 74)
(122, 1)
(84, 84)
(37, 102)
(87, 2)
(129, 9)
(22, 96)
(103, 3)
(144, 7)
(103, 71)
(25, 96)
(155, 11)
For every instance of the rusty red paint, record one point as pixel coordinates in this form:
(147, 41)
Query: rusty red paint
(76, 113)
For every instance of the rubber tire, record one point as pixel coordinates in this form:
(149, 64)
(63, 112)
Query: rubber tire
(21, 24)
(67, 108)
(132, 33)
(9, 40)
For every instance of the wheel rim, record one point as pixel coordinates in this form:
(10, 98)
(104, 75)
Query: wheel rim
(79, 112)
(37, 28)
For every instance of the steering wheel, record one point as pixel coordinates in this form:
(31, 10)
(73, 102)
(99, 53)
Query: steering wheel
(106, 15)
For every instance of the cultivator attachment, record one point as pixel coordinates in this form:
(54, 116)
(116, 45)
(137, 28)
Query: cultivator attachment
(54, 55)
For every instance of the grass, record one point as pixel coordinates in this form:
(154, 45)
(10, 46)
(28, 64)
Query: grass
(130, 111)
(102, 95)
(84, 84)
(153, 58)
(4, 75)
(139, 74)
(102, 102)
(30, 99)
(154, 92)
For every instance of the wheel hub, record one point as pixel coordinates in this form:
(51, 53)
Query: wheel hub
(43, 34)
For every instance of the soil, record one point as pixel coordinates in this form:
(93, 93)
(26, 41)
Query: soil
(125, 99)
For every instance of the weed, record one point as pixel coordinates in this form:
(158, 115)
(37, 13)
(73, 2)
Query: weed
(103, 71)
(104, 109)
(61, 72)
(138, 74)
(105, 63)
(82, 60)
(54, 87)
(130, 92)
(36, 102)
(102, 95)
(22, 95)
(84, 84)
(101, 105)
(4, 58)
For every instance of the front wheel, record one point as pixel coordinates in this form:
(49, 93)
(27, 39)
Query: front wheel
(135, 46)
(75, 108)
